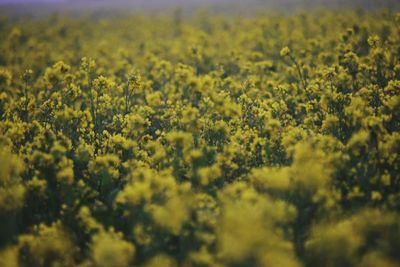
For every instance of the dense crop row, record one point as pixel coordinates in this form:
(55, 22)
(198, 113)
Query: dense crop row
(211, 141)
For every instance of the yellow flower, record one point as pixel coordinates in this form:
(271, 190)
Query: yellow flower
(5, 77)
(109, 249)
(47, 245)
(271, 178)
(285, 51)
(172, 215)
(209, 174)
(161, 260)
(9, 257)
(12, 191)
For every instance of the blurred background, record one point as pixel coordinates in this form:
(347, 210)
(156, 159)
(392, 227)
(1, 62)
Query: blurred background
(76, 6)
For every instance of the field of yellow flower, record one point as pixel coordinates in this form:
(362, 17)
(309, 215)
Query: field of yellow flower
(211, 140)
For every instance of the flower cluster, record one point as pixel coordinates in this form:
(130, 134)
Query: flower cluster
(265, 140)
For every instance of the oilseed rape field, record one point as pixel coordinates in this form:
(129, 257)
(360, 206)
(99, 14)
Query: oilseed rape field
(205, 140)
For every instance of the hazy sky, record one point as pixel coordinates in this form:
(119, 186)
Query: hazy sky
(40, 5)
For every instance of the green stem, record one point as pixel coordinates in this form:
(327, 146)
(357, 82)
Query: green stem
(303, 81)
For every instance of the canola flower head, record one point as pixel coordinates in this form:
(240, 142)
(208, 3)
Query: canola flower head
(5, 77)
(12, 190)
(109, 249)
(285, 51)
